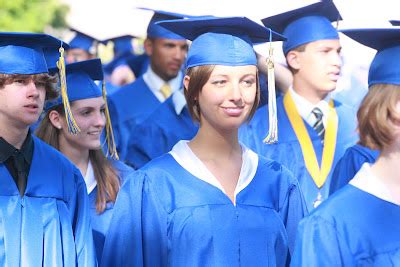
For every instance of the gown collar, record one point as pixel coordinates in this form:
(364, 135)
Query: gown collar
(89, 178)
(189, 161)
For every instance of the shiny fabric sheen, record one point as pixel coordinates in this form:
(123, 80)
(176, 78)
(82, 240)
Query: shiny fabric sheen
(22, 60)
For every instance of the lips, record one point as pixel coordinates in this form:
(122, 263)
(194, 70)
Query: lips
(233, 111)
(32, 107)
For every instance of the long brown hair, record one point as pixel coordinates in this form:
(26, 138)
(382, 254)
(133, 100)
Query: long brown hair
(107, 177)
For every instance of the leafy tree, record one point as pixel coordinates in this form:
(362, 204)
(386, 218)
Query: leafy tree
(31, 15)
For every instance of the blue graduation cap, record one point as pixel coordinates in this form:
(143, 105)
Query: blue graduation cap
(221, 41)
(83, 41)
(229, 41)
(122, 45)
(385, 67)
(395, 22)
(26, 53)
(306, 24)
(156, 31)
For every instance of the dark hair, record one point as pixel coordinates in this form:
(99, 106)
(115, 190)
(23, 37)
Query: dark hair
(199, 76)
(49, 81)
(375, 115)
(107, 178)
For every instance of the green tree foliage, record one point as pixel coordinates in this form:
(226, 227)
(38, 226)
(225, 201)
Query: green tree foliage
(31, 15)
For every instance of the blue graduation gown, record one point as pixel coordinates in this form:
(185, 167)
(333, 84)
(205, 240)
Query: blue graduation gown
(130, 105)
(159, 133)
(288, 151)
(50, 224)
(165, 216)
(350, 164)
(351, 228)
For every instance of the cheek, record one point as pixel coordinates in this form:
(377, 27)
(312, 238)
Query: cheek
(249, 95)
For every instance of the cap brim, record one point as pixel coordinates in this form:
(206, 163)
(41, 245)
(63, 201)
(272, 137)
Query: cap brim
(376, 38)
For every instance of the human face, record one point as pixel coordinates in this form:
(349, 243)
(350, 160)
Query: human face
(167, 56)
(89, 115)
(21, 102)
(319, 66)
(76, 55)
(228, 96)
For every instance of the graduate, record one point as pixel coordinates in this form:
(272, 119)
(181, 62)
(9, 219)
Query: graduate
(184, 208)
(132, 103)
(168, 124)
(82, 47)
(358, 225)
(102, 176)
(44, 213)
(314, 129)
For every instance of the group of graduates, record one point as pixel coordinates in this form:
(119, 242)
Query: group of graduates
(197, 160)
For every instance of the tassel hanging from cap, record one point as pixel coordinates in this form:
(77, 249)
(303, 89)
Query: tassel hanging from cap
(272, 136)
(111, 146)
(73, 127)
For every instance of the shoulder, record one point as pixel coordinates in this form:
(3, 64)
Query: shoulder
(131, 89)
(124, 171)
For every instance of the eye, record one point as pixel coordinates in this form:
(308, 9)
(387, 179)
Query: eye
(248, 82)
(85, 112)
(21, 81)
(40, 84)
(219, 83)
(103, 110)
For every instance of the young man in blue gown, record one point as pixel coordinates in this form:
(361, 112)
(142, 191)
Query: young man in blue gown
(314, 129)
(44, 205)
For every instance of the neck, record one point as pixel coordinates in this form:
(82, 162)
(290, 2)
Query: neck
(386, 167)
(79, 157)
(210, 143)
(310, 93)
(13, 134)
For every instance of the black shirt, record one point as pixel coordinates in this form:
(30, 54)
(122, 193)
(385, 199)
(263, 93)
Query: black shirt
(18, 162)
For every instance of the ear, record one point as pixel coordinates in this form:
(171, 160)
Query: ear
(55, 119)
(293, 59)
(186, 81)
(148, 46)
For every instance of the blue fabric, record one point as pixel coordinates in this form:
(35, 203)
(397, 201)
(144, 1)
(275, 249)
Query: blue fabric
(351, 162)
(164, 216)
(288, 152)
(50, 225)
(24, 53)
(101, 222)
(137, 63)
(156, 31)
(351, 228)
(221, 41)
(159, 133)
(80, 81)
(128, 106)
(82, 41)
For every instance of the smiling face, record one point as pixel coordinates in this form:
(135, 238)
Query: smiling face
(228, 96)
(89, 115)
(21, 101)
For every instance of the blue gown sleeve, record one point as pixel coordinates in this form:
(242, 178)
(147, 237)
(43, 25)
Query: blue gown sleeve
(319, 244)
(137, 234)
(85, 250)
(292, 207)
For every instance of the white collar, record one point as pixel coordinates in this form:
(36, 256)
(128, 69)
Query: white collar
(368, 182)
(305, 107)
(189, 161)
(89, 178)
(154, 82)
(179, 101)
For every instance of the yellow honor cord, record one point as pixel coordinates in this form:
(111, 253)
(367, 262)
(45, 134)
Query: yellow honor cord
(318, 174)
(72, 125)
(111, 146)
(272, 136)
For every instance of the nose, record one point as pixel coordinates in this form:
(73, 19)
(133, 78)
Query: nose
(337, 60)
(179, 53)
(32, 89)
(236, 93)
(100, 120)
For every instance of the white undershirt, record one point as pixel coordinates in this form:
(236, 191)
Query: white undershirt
(305, 107)
(89, 178)
(179, 101)
(189, 161)
(366, 181)
(154, 82)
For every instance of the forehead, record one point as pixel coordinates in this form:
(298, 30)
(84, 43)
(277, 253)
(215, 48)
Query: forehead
(332, 44)
(163, 41)
(94, 102)
(230, 70)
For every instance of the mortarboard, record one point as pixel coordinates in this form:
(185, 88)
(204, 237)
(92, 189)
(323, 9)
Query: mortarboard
(385, 67)
(156, 31)
(395, 22)
(81, 77)
(306, 24)
(83, 41)
(228, 41)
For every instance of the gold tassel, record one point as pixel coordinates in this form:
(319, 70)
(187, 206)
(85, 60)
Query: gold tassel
(73, 127)
(111, 146)
(272, 136)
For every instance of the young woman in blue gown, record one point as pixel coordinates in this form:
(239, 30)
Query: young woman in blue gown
(358, 225)
(102, 176)
(210, 201)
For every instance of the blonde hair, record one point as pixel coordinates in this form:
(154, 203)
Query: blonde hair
(376, 114)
